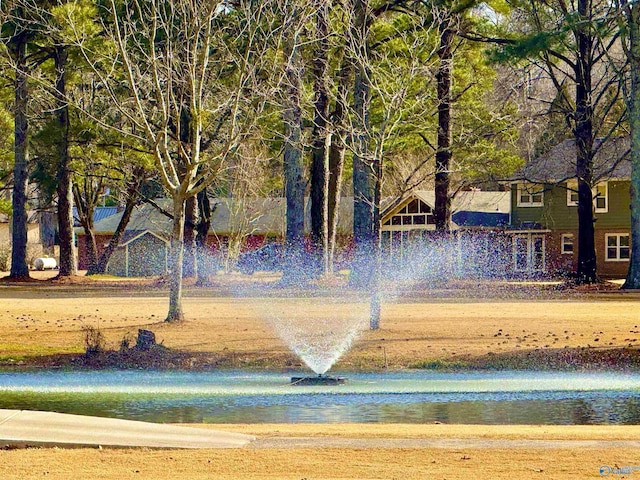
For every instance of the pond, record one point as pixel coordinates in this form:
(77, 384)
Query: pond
(510, 397)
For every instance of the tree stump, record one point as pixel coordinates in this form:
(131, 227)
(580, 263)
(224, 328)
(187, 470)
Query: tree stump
(146, 339)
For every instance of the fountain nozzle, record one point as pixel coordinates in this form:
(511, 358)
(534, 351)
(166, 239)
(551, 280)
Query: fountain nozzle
(321, 379)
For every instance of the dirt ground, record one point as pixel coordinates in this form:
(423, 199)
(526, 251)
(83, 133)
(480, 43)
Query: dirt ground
(41, 324)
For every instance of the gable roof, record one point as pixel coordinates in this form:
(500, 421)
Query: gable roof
(468, 208)
(139, 235)
(472, 200)
(612, 160)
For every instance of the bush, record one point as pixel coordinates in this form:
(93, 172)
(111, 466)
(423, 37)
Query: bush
(5, 256)
(94, 340)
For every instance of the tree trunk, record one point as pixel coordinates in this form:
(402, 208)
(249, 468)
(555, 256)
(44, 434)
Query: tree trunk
(191, 214)
(176, 255)
(587, 271)
(363, 173)
(442, 207)
(293, 164)
(321, 139)
(202, 249)
(90, 246)
(633, 274)
(19, 267)
(68, 264)
(337, 153)
(47, 225)
(132, 197)
(366, 173)
(375, 301)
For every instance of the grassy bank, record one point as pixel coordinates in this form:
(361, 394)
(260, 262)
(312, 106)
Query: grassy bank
(486, 325)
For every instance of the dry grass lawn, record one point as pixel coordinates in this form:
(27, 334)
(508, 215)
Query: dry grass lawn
(476, 462)
(423, 329)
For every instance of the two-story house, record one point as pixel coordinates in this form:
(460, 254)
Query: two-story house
(544, 218)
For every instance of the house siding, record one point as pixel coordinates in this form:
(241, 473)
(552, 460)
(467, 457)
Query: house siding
(523, 215)
(557, 215)
(619, 215)
(147, 256)
(83, 259)
(564, 264)
(561, 263)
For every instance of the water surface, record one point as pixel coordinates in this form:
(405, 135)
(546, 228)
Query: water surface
(407, 397)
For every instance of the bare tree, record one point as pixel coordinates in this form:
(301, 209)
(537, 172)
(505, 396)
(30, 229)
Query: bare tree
(195, 73)
(249, 203)
(321, 139)
(294, 181)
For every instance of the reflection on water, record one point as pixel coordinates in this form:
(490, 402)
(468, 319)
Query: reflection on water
(415, 397)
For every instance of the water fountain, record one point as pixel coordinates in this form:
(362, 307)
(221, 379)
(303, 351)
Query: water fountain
(320, 324)
(320, 333)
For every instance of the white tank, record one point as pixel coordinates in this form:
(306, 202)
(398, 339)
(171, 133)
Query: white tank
(43, 263)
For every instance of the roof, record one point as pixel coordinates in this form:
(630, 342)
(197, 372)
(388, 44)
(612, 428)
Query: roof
(267, 216)
(99, 213)
(257, 216)
(465, 201)
(473, 208)
(612, 160)
(33, 216)
(136, 235)
(480, 219)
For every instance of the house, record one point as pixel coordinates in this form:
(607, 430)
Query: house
(249, 224)
(34, 244)
(544, 219)
(476, 246)
(236, 225)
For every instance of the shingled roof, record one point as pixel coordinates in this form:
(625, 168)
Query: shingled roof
(259, 216)
(612, 160)
(267, 216)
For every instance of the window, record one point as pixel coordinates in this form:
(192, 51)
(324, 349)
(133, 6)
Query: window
(567, 244)
(529, 252)
(600, 196)
(617, 247)
(572, 193)
(414, 213)
(530, 195)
